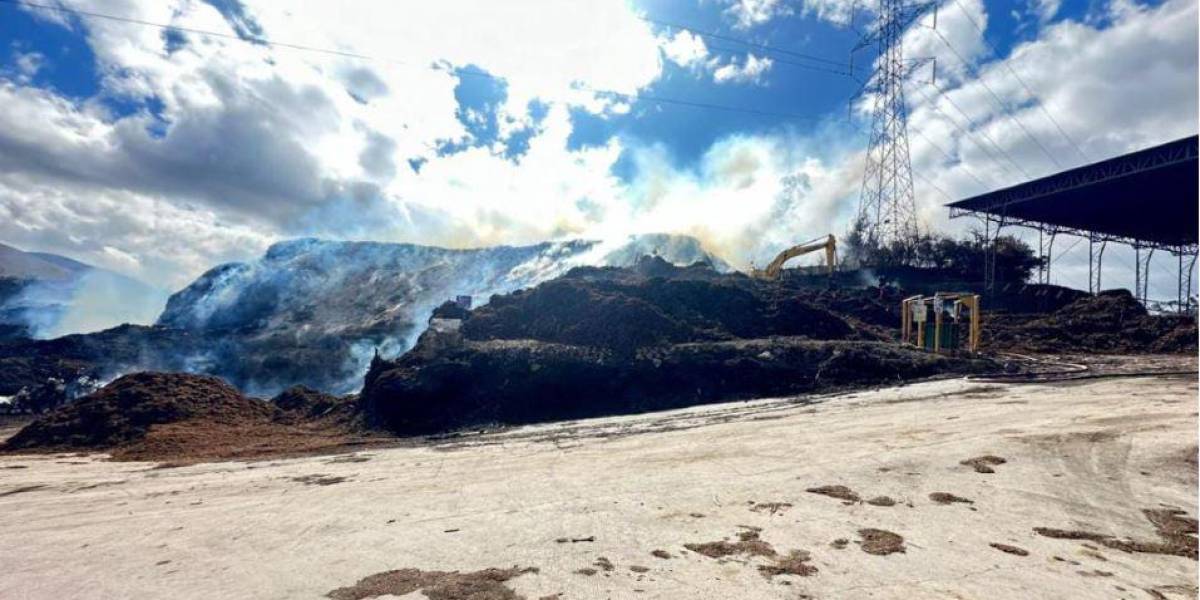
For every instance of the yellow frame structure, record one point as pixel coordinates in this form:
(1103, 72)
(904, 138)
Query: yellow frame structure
(911, 333)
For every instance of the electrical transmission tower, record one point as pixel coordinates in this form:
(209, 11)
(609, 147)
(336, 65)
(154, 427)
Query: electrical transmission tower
(887, 209)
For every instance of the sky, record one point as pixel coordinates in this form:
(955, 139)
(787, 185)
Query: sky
(159, 153)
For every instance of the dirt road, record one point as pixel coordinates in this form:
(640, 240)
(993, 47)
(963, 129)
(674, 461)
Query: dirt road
(709, 502)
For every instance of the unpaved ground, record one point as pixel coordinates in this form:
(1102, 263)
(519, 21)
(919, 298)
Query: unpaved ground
(605, 508)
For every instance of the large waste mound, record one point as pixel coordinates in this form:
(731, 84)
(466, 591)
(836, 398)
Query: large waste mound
(309, 311)
(1110, 322)
(512, 382)
(625, 316)
(125, 410)
(651, 337)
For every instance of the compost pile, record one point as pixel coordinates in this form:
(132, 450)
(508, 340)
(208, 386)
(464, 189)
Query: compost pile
(1112, 322)
(186, 418)
(651, 337)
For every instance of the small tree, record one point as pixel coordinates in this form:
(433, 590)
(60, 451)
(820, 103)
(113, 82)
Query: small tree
(958, 258)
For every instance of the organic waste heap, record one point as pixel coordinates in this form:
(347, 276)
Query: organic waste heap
(186, 418)
(1112, 322)
(603, 341)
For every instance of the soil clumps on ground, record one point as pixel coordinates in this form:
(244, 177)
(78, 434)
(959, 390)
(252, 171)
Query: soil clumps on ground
(948, 498)
(1177, 533)
(487, 584)
(840, 492)
(880, 542)
(984, 464)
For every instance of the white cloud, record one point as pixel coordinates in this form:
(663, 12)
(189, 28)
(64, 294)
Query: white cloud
(28, 64)
(749, 13)
(839, 12)
(684, 49)
(956, 39)
(258, 144)
(1095, 80)
(750, 71)
(1045, 10)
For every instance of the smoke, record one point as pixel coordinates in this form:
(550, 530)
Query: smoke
(750, 197)
(315, 312)
(92, 301)
(102, 300)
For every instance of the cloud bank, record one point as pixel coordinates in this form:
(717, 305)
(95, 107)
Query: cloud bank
(195, 150)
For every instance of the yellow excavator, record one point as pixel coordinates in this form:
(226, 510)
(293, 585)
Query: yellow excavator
(828, 243)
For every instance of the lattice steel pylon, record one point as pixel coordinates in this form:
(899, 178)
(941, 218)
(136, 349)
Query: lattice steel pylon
(887, 209)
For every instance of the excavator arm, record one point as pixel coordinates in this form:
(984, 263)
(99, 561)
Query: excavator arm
(829, 244)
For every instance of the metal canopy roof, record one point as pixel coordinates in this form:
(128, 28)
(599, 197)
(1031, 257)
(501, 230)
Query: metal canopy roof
(1146, 198)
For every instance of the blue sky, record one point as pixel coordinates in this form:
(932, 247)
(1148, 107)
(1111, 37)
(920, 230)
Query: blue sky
(801, 87)
(161, 153)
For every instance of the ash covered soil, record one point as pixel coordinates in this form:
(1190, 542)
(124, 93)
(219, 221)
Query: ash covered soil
(1095, 498)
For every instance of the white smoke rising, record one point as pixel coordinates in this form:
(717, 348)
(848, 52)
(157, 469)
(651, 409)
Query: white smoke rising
(102, 300)
(316, 312)
(92, 301)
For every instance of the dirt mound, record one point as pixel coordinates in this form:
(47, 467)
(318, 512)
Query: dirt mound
(186, 418)
(525, 381)
(305, 402)
(1110, 322)
(124, 410)
(623, 315)
(602, 341)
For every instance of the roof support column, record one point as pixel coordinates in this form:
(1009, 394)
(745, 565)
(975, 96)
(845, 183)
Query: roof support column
(990, 235)
(1141, 272)
(1185, 280)
(1095, 261)
(1045, 252)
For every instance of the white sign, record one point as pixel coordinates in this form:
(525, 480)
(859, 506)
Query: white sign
(919, 311)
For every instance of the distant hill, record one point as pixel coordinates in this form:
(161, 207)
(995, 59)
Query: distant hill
(45, 295)
(18, 264)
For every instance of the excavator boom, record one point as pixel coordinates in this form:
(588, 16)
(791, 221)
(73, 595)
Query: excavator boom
(829, 244)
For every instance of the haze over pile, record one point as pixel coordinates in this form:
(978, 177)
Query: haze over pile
(159, 154)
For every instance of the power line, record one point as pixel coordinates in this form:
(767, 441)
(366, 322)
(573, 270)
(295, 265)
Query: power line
(982, 133)
(1021, 80)
(933, 185)
(756, 45)
(783, 61)
(259, 40)
(1002, 106)
(933, 105)
(1064, 252)
(950, 158)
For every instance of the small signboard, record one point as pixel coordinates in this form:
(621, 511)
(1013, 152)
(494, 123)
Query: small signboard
(919, 312)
